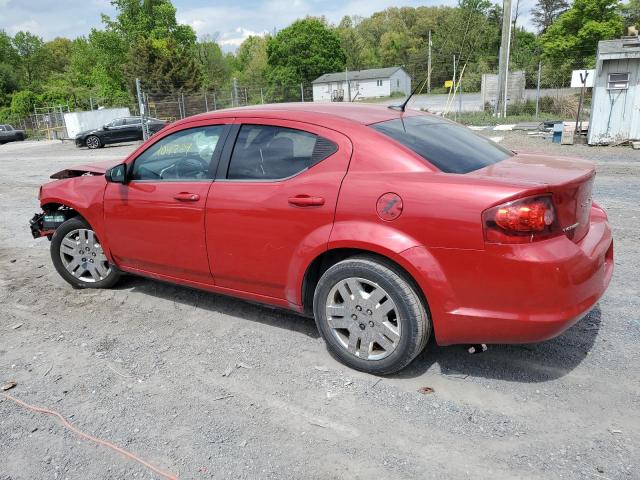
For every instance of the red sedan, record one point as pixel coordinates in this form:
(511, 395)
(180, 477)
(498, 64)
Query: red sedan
(386, 226)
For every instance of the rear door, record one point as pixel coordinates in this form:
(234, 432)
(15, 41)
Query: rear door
(273, 201)
(133, 129)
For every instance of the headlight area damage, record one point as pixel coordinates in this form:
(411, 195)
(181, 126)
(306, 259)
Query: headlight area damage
(44, 224)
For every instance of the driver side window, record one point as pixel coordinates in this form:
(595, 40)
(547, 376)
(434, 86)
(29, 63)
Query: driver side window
(184, 155)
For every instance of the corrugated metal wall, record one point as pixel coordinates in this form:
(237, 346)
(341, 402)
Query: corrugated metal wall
(615, 114)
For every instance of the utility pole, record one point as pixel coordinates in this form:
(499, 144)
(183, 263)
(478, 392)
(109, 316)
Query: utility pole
(91, 102)
(301, 93)
(346, 83)
(206, 103)
(538, 89)
(145, 133)
(460, 92)
(234, 99)
(455, 115)
(503, 66)
(261, 96)
(429, 66)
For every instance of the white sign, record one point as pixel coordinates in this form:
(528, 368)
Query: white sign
(581, 78)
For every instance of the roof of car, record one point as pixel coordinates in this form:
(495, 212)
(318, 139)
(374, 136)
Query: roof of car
(361, 113)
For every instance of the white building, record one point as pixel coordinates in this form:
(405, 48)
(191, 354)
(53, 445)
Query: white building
(359, 84)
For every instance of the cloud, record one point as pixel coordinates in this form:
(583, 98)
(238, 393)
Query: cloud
(50, 19)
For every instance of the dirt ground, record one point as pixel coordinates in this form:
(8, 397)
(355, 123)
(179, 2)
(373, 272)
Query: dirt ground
(142, 366)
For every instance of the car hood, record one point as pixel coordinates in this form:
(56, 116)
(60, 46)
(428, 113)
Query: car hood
(93, 169)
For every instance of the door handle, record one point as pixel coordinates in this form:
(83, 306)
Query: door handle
(306, 201)
(187, 197)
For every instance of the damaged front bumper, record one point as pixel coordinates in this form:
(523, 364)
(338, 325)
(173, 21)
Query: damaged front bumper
(44, 224)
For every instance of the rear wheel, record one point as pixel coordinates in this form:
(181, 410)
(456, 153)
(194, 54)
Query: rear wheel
(370, 315)
(78, 256)
(93, 141)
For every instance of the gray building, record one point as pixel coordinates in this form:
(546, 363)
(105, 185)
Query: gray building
(615, 106)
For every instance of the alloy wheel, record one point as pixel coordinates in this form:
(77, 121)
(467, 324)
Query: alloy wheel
(363, 318)
(93, 142)
(83, 257)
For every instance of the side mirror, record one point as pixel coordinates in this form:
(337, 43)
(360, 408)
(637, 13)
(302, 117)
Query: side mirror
(117, 174)
(106, 126)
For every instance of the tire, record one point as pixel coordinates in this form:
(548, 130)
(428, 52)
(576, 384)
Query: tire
(73, 251)
(93, 142)
(401, 327)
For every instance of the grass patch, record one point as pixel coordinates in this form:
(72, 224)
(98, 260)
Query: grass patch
(486, 118)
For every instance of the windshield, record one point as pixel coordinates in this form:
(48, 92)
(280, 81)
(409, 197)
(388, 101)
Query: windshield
(448, 146)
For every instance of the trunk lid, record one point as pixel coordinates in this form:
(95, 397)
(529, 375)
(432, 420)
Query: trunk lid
(569, 180)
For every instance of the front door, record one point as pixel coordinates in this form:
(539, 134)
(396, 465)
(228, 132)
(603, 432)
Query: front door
(273, 201)
(155, 222)
(115, 131)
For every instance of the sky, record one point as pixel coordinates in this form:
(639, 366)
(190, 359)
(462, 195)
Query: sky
(227, 21)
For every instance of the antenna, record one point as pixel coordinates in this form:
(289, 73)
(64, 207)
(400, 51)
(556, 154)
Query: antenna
(403, 105)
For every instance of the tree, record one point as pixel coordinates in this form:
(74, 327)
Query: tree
(303, 51)
(156, 19)
(213, 63)
(30, 49)
(631, 13)
(572, 40)
(22, 103)
(9, 59)
(163, 67)
(545, 13)
(251, 61)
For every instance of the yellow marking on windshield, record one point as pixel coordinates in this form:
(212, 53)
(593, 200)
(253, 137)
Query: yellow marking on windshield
(176, 148)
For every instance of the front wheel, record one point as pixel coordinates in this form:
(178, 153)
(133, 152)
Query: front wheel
(78, 256)
(93, 142)
(371, 315)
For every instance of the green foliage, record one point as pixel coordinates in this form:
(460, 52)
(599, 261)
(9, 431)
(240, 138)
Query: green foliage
(302, 52)
(631, 13)
(545, 12)
(31, 53)
(215, 67)
(22, 103)
(144, 39)
(162, 66)
(571, 41)
(251, 61)
(142, 19)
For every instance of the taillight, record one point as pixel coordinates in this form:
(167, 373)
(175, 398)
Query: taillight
(521, 221)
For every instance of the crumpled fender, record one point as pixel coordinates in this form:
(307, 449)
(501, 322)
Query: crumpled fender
(84, 195)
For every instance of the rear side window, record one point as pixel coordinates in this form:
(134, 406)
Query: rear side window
(448, 146)
(265, 152)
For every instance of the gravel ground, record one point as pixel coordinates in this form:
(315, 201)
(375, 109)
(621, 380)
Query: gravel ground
(142, 366)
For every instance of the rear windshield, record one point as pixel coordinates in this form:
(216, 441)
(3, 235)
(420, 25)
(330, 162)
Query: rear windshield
(448, 146)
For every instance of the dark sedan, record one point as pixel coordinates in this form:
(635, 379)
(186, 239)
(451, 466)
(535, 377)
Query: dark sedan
(119, 130)
(10, 134)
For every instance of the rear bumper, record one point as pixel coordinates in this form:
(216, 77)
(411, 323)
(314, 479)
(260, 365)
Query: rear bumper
(517, 293)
